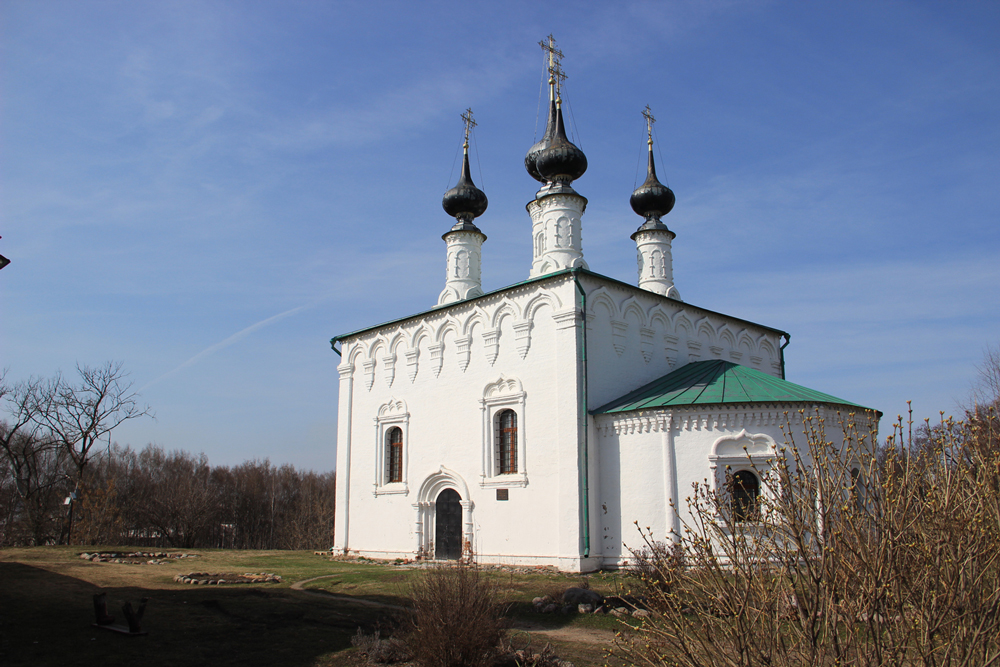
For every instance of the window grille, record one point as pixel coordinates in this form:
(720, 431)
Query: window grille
(394, 455)
(745, 490)
(506, 449)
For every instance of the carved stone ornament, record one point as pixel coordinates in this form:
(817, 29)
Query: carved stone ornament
(369, 367)
(390, 368)
(437, 357)
(412, 356)
(522, 337)
(464, 346)
(491, 341)
(618, 329)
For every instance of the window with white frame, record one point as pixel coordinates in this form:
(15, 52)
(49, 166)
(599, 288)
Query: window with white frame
(738, 462)
(506, 449)
(392, 427)
(394, 455)
(504, 443)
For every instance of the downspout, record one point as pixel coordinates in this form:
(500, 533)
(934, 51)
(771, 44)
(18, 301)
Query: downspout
(585, 454)
(781, 351)
(333, 346)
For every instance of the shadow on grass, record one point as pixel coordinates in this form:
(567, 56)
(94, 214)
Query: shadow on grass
(45, 619)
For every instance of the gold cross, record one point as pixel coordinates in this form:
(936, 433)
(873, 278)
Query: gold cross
(556, 73)
(470, 123)
(647, 113)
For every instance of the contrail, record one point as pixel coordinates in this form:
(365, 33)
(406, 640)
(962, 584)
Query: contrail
(207, 352)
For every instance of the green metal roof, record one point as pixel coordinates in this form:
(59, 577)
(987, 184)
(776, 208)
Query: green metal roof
(717, 382)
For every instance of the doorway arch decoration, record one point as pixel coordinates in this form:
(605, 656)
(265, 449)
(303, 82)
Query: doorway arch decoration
(425, 507)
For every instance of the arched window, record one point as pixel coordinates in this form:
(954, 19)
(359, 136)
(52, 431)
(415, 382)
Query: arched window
(744, 492)
(858, 490)
(394, 455)
(507, 442)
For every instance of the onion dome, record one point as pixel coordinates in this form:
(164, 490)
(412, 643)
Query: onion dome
(465, 201)
(652, 199)
(543, 143)
(561, 161)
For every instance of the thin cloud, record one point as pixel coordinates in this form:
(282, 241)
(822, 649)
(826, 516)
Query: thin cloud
(236, 337)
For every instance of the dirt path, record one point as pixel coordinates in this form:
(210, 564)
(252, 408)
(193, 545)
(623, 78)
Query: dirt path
(574, 635)
(298, 586)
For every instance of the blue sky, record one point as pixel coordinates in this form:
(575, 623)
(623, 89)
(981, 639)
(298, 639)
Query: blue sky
(209, 191)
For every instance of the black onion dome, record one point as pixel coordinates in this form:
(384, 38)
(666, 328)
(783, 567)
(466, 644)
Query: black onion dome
(465, 201)
(543, 143)
(561, 160)
(652, 199)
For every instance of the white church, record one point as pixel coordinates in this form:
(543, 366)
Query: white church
(533, 424)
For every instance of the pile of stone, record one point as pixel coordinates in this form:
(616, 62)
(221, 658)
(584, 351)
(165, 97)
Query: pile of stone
(220, 578)
(134, 557)
(586, 601)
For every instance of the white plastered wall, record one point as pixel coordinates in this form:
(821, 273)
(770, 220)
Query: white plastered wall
(651, 460)
(454, 369)
(635, 337)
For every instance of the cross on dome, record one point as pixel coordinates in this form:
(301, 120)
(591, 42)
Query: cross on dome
(647, 113)
(470, 122)
(556, 73)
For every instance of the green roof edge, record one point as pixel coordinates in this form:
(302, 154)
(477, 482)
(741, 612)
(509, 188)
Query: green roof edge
(669, 391)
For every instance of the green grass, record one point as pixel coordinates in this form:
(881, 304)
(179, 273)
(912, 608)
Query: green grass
(46, 609)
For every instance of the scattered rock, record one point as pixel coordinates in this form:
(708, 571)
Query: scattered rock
(550, 608)
(582, 596)
(215, 579)
(134, 557)
(640, 613)
(585, 608)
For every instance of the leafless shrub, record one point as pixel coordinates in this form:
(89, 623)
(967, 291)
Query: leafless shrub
(847, 561)
(379, 650)
(513, 655)
(656, 563)
(459, 618)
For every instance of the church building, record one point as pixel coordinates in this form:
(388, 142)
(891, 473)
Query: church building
(533, 424)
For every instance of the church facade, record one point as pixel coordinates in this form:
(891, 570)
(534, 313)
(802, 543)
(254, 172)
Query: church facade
(534, 424)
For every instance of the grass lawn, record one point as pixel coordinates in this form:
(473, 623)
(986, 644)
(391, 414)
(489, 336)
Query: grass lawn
(46, 610)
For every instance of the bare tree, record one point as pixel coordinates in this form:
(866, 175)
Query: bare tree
(79, 416)
(33, 460)
(177, 496)
(986, 390)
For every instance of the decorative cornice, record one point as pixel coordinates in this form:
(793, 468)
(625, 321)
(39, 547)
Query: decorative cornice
(739, 416)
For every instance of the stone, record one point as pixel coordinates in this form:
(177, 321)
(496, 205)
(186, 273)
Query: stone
(550, 608)
(619, 613)
(585, 608)
(582, 596)
(640, 613)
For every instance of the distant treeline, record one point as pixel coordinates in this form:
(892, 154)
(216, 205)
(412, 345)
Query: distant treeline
(157, 498)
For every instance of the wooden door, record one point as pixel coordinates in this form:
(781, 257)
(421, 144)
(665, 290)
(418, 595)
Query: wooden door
(448, 520)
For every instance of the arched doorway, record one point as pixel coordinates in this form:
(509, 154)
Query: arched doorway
(448, 525)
